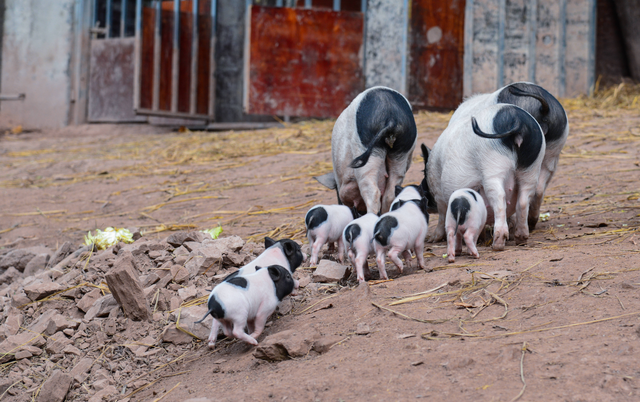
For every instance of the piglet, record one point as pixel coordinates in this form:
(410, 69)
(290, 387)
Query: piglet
(410, 192)
(400, 231)
(358, 240)
(466, 216)
(325, 224)
(247, 301)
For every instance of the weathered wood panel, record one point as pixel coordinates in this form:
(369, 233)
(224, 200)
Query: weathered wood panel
(579, 60)
(166, 57)
(516, 40)
(146, 59)
(184, 63)
(111, 81)
(437, 50)
(549, 46)
(486, 45)
(304, 62)
(204, 64)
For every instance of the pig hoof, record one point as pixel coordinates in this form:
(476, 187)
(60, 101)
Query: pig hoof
(452, 258)
(212, 345)
(521, 240)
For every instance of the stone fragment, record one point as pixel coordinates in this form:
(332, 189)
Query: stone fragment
(173, 335)
(72, 350)
(17, 259)
(35, 351)
(16, 342)
(234, 259)
(187, 294)
(37, 263)
(109, 326)
(39, 291)
(13, 323)
(125, 287)
(179, 238)
(59, 323)
(179, 274)
(303, 279)
(23, 354)
(188, 318)
(40, 324)
(286, 344)
(89, 299)
(330, 271)
(19, 299)
(175, 303)
(55, 388)
(101, 308)
(81, 369)
(64, 250)
(362, 329)
(10, 275)
(57, 343)
(285, 306)
(150, 279)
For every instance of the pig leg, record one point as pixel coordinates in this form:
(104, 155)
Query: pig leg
(495, 194)
(381, 261)
(459, 242)
(419, 250)
(315, 249)
(522, 211)
(213, 336)
(238, 332)
(340, 250)
(546, 173)
(360, 264)
(396, 169)
(393, 256)
(451, 245)
(260, 322)
(368, 178)
(470, 238)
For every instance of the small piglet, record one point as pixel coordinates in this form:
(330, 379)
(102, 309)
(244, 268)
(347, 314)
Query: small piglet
(325, 224)
(358, 239)
(466, 216)
(399, 231)
(247, 301)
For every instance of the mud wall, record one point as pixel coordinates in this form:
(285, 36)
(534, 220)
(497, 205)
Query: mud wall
(36, 56)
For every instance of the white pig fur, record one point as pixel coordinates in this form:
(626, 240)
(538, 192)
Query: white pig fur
(357, 237)
(325, 224)
(371, 146)
(504, 171)
(466, 217)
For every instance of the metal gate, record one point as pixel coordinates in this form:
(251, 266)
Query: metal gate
(152, 57)
(305, 59)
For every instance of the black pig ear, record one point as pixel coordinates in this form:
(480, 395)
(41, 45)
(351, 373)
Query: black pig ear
(288, 248)
(268, 242)
(258, 268)
(274, 273)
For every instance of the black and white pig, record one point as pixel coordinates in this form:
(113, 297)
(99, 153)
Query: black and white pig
(410, 192)
(498, 152)
(547, 111)
(358, 240)
(466, 217)
(325, 224)
(247, 301)
(285, 252)
(401, 231)
(371, 146)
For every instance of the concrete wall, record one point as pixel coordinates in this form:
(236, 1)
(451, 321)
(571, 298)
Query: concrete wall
(386, 44)
(36, 56)
(549, 42)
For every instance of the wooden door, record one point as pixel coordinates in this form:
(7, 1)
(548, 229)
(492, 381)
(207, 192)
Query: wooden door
(436, 53)
(303, 62)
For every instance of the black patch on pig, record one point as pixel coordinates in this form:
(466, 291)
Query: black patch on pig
(460, 207)
(383, 229)
(432, 206)
(509, 123)
(352, 232)
(231, 276)
(238, 281)
(316, 217)
(215, 309)
(383, 117)
(292, 252)
(421, 203)
(398, 190)
(282, 280)
(354, 212)
(473, 195)
(543, 106)
(268, 242)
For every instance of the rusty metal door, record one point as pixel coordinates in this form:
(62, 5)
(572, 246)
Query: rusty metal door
(436, 53)
(303, 61)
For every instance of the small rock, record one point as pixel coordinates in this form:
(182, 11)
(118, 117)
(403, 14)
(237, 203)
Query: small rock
(101, 308)
(64, 250)
(303, 279)
(58, 323)
(173, 335)
(23, 354)
(177, 239)
(13, 323)
(187, 294)
(39, 291)
(285, 306)
(72, 350)
(175, 303)
(10, 275)
(150, 279)
(106, 391)
(80, 370)
(37, 264)
(362, 329)
(89, 299)
(179, 274)
(109, 326)
(285, 344)
(19, 299)
(41, 323)
(55, 388)
(17, 259)
(126, 289)
(330, 271)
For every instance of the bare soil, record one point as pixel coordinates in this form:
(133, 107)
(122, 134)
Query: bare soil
(561, 314)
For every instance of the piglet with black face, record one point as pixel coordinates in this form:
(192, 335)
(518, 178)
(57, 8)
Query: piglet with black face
(358, 239)
(399, 231)
(285, 252)
(325, 224)
(247, 301)
(466, 217)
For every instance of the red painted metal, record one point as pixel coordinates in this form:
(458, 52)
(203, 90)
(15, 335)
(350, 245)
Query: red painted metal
(304, 62)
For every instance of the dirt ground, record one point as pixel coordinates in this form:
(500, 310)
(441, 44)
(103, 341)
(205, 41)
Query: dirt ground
(561, 315)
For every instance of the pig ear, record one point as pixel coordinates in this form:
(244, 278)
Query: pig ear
(258, 268)
(288, 248)
(328, 180)
(355, 213)
(398, 190)
(268, 242)
(274, 273)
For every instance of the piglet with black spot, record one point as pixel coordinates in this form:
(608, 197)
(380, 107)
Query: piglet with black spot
(358, 239)
(466, 217)
(400, 231)
(247, 301)
(325, 224)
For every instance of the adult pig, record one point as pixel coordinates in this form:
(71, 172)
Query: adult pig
(371, 146)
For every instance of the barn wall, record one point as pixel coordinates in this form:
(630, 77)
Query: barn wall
(386, 44)
(36, 56)
(549, 42)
